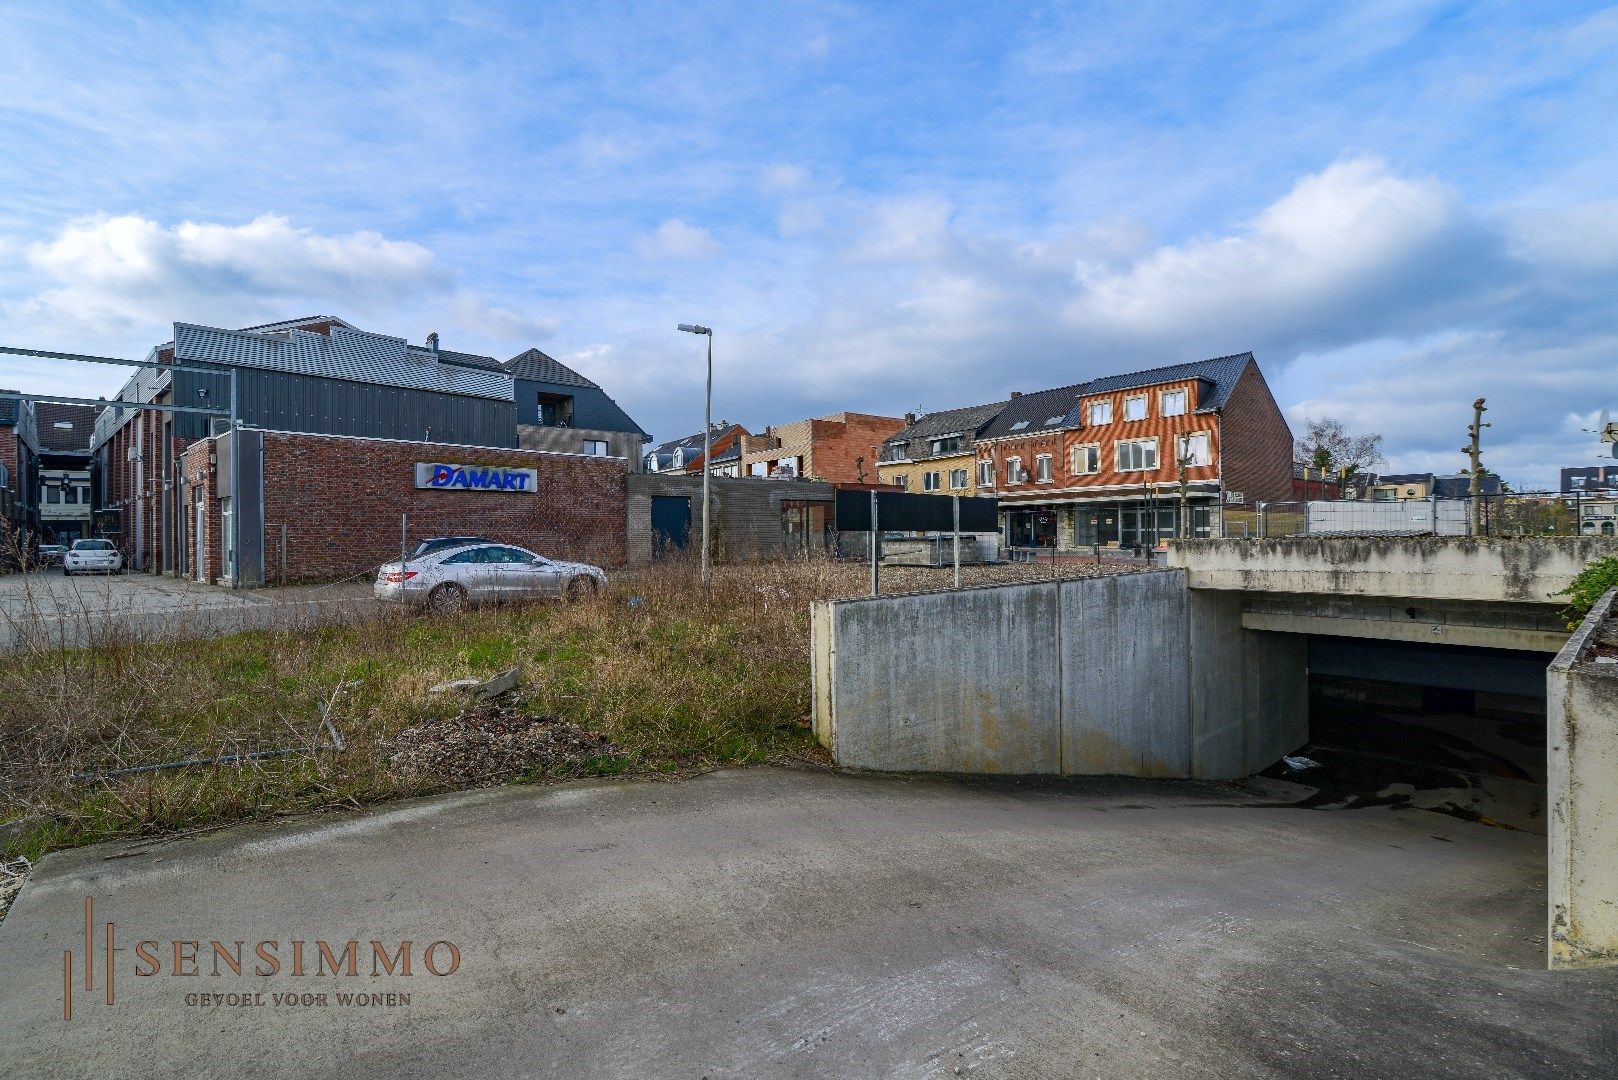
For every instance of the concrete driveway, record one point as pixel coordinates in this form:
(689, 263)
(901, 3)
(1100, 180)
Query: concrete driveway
(770, 923)
(46, 605)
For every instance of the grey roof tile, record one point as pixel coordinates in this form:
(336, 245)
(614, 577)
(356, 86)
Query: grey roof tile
(535, 365)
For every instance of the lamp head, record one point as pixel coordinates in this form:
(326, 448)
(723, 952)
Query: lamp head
(691, 328)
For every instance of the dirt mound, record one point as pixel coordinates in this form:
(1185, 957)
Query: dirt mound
(492, 744)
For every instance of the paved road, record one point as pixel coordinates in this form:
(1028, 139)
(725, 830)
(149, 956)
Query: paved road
(769, 923)
(47, 606)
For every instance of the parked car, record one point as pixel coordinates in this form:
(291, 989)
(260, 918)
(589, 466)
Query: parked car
(452, 578)
(92, 557)
(444, 543)
(50, 554)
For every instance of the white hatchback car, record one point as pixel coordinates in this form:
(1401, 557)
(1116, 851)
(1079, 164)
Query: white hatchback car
(92, 557)
(451, 579)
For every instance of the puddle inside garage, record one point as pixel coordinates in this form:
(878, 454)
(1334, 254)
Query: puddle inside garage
(1443, 728)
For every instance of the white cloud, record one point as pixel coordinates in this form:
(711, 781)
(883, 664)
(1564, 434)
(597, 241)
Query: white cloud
(113, 273)
(674, 239)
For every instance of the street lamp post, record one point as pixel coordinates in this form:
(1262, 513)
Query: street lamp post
(707, 440)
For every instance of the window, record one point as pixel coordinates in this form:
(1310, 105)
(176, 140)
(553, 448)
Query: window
(1193, 450)
(1172, 403)
(1086, 459)
(947, 446)
(759, 468)
(929, 481)
(1575, 482)
(1019, 425)
(596, 447)
(985, 474)
(1137, 455)
(1100, 412)
(957, 479)
(1014, 474)
(902, 480)
(1042, 468)
(1135, 408)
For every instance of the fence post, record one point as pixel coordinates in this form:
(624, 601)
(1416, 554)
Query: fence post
(404, 532)
(956, 509)
(873, 544)
(1261, 519)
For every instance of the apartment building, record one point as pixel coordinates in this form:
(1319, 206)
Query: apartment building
(561, 411)
(937, 453)
(1138, 458)
(842, 448)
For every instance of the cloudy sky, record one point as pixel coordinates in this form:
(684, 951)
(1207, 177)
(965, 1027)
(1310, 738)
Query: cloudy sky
(1398, 207)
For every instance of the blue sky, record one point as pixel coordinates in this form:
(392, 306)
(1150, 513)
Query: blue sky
(882, 207)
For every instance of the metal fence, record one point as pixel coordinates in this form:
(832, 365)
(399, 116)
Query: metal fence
(1515, 514)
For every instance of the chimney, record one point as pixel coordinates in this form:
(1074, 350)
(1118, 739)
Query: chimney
(432, 341)
(1016, 393)
(910, 418)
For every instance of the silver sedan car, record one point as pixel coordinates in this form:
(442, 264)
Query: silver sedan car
(453, 578)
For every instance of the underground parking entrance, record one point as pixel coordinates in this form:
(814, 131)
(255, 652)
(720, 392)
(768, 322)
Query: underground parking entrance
(1453, 729)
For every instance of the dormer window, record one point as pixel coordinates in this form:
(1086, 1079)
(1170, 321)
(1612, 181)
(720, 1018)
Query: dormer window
(1100, 412)
(555, 410)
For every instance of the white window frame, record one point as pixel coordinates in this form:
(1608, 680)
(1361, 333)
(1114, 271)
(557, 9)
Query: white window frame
(1013, 470)
(1163, 397)
(1044, 469)
(985, 473)
(1103, 408)
(964, 475)
(1181, 442)
(1145, 408)
(1090, 450)
(930, 480)
(901, 480)
(1118, 455)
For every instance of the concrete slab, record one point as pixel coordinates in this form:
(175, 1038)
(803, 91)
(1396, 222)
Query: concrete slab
(774, 923)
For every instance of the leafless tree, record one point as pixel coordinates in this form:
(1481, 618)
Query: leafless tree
(1326, 444)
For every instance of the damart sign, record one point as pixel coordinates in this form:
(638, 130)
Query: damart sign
(430, 474)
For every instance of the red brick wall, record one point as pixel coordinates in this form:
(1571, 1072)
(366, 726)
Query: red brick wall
(341, 500)
(1258, 442)
(1060, 444)
(835, 447)
(8, 455)
(195, 472)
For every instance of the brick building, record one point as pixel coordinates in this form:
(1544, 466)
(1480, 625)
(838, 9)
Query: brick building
(317, 507)
(842, 448)
(19, 469)
(938, 452)
(1112, 461)
(685, 455)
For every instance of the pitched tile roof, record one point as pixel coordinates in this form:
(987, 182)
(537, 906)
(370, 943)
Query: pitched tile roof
(1058, 409)
(692, 442)
(535, 365)
(947, 422)
(75, 437)
(346, 353)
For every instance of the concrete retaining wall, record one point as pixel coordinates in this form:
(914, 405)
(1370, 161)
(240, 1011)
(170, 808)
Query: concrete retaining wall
(1127, 675)
(1434, 567)
(1582, 708)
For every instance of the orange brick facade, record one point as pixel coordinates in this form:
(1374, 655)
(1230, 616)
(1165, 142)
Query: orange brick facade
(842, 448)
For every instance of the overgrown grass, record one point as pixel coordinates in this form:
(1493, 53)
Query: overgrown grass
(678, 679)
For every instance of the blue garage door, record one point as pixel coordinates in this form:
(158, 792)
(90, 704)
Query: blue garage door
(671, 522)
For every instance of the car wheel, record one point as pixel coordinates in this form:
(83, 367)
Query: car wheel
(448, 597)
(581, 588)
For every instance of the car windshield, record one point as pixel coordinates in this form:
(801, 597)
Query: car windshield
(92, 545)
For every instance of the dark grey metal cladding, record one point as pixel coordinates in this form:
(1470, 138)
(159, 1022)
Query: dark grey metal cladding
(287, 401)
(592, 408)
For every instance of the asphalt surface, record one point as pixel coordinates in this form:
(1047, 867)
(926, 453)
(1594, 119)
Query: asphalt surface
(48, 606)
(767, 923)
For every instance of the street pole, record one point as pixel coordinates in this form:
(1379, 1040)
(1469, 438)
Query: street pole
(235, 503)
(707, 448)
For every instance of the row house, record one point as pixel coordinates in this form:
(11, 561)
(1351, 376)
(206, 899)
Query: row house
(684, 455)
(842, 448)
(1112, 461)
(937, 453)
